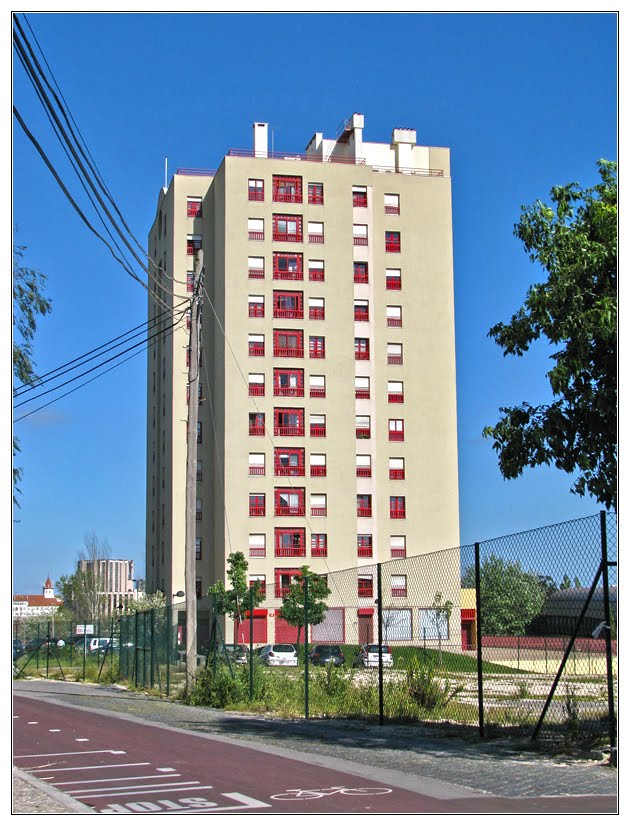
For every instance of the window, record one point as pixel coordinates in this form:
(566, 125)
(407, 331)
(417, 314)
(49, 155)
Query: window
(362, 349)
(190, 281)
(361, 309)
(359, 196)
(199, 433)
(360, 235)
(193, 207)
(284, 578)
(256, 344)
(317, 387)
(364, 544)
(256, 384)
(256, 266)
(288, 421)
(256, 229)
(364, 466)
(396, 430)
(318, 504)
(433, 624)
(393, 279)
(193, 244)
(256, 305)
(256, 504)
(394, 354)
(397, 507)
(316, 347)
(317, 424)
(199, 471)
(290, 541)
(319, 544)
(257, 544)
(315, 270)
(256, 189)
(392, 241)
(365, 585)
(392, 204)
(288, 344)
(287, 189)
(395, 392)
(362, 387)
(364, 504)
(198, 548)
(316, 309)
(288, 304)
(315, 193)
(362, 427)
(287, 228)
(188, 323)
(289, 382)
(394, 316)
(360, 272)
(288, 266)
(289, 461)
(289, 502)
(315, 232)
(256, 424)
(318, 464)
(397, 624)
(396, 468)
(256, 464)
(198, 587)
(398, 546)
(198, 510)
(399, 585)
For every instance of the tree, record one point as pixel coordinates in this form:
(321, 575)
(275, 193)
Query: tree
(237, 601)
(292, 609)
(575, 309)
(83, 592)
(510, 597)
(28, 303)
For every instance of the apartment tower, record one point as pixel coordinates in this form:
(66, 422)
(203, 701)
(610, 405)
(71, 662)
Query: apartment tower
(327, 408)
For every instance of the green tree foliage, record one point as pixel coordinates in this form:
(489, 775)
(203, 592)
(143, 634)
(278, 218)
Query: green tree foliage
(236, 601)
(292, 609)
(510, 596)
(28, 303)
(575, 242)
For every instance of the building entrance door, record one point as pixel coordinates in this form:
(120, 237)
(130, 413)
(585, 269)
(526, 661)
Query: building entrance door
(365, 630)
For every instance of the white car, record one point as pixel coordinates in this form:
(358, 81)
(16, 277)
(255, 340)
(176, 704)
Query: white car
(368, 657)
(279, 654)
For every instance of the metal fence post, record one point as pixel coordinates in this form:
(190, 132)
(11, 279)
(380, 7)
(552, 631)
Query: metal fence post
(306, 647)
(251, 643)
(136, 654)
(152, 667)
(479, 639)
(379, 614)
(47, 647)
(607, 632)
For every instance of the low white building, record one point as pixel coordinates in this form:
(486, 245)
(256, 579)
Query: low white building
(33, 605)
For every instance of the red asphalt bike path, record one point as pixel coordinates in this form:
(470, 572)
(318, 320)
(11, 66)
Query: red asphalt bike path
(118, 766)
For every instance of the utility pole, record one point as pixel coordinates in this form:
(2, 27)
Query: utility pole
(191, 475)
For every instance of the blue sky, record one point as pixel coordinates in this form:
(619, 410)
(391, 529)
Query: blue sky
(524, 101)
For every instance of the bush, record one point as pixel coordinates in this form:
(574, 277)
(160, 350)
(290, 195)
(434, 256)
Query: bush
(427, 689)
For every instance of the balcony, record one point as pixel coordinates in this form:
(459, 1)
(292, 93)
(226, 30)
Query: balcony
(255, 272)
(288, 312)
(293, 237)
(396, 473)
(399, 592)
(287, 197)
(393, 359)
(288, 391)
(257, 430)
(392, 245)
(318, 352)
(317, 393)
(361, 355)
(256, 195)
(361, 278)
(316, 275)
(316, 313)
(293, 550)
(396, 436)
(288, 352)
(288, 275)
(256, 389)
(256, 310)
(319, 551)
(364, 511)
(359, 199)
(318, 470)
(318, 430)
(256, 510)
(366, 590)
(364, 551)
(363, 433)
(364, 472)
(288, 470)
(316, 198)
(288, 430)
(361, 314)
(393, 283)
(256, 350)
(361, 393)
(360, 240)
(392, 210)
(398, 553)
(290, 510)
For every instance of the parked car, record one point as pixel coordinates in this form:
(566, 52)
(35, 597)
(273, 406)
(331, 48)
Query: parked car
(368, 656)
(236, 652)
(325, 654)
(43, 643)
(279, 654)
(18, 649)
(97, 645)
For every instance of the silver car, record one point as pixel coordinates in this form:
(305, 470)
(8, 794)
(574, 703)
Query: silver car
(279, 654)
(368, 656)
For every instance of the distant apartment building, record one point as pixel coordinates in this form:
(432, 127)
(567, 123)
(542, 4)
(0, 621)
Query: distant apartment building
(113, 579)
(327, 430)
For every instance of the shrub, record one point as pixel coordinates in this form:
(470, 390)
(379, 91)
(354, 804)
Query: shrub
(427, 689)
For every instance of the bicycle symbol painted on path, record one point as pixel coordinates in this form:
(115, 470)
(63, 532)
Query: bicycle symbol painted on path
(315, 794)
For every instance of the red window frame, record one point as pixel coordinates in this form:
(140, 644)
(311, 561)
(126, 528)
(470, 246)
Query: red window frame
(317, 313)
(393, 282)
(319, 544)
(288, 421)
(283, 384)
(287, 189)
(288, 304)
(364, 504)
(282, 270)
(286, 233)
(362, 349)
(397, 472)
(319, 510)
(318, 470)
(397, 508)
(365, 586)
(257, 504)
(396, 398)
(193, 245)
(256, 309)
(258, 551)
(362, 313)
(402, 591)
(190, 281)
(296, 545)
(399, 553)
(255, 193)
(283, 579)
(364, 432)
(282, 506)
(359, 199)
(288, 344)
(396, 434)
(395, 322)
(364, 545)
(392, 241)
(361, 272)
(316, 237)
(317, 430)
(315, 193)
(256, 348)
(256, 424)
(395, 358)
(316, 347)
(193, 208)
(256, 389)
(288, 461)
(256, 272)
(316, 273)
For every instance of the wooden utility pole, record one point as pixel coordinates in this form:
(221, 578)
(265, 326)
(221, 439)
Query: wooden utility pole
(191, 475)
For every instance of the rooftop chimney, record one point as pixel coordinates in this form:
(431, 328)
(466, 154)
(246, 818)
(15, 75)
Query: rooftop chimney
(261, 140)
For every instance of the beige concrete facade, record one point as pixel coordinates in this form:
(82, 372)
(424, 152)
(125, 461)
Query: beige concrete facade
(410, 370)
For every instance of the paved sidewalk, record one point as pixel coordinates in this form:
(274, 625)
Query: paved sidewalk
(466, 768)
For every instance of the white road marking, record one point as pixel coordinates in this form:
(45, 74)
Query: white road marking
(33, 723)
(165, 770)
(66, 753)
(54, 729)
(88, 768)
(82, 739)
(143, 789)
(112, 779)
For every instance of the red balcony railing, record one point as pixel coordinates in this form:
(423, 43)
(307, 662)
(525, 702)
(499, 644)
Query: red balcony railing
(256, 470)
(256, 510)
(287, 197)
(316, 313)
(256, 310)
(363, 432)
(399, 592)
(320, 550)
(364, 550)
(361, 278)
(316, 275)
(288, 391)
(359, 240)
(315, 198)
(392, 246)
(257, 550)
(360, 393)
(288, 236)
(361, 315)
(318, 470)
(318, 430)
(318, 511)
(392, 359)
(256, 235)
(292, 550)
(315, 238)
(397, 513)
(256, 195)
(317, 393)
(364, 511)
(290, 312)
(288, 275)
(288, 352)
(396, 473)
(256, 272)
(393, 283)
(318, 352)
(399, 553)
(256, 389)
(394, 322)
(257, 430)
(359, 200)
(364, 472)
(289, 430)
(198, 516)
(366, 590)
(362, 355)
(256, 350)
(193, 209)
(392, 210)
(288, 470)
(290, 510)
(396, 436)
(395, 398)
